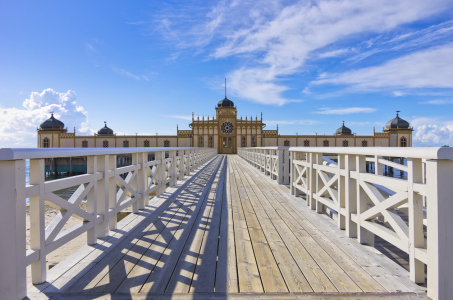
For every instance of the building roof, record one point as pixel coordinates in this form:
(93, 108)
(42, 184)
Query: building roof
(51, 124)
(343, 130)
(225, 103)
(105, 130)
(397, 123)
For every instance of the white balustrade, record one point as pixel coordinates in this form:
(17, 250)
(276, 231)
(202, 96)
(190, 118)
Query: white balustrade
(366, 204)
(107, 188)
(273, 161)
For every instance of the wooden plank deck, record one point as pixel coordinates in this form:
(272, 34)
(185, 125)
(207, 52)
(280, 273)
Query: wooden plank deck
(227, 232)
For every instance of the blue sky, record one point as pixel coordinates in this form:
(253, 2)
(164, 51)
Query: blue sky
(145, 66)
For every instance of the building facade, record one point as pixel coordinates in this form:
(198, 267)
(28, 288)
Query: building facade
(226, 132)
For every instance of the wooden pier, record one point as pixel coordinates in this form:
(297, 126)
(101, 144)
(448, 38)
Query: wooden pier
(227, 231)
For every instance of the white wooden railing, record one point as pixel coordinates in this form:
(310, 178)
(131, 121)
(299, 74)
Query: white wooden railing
(107, 188)
(368, 204)
(273, 161)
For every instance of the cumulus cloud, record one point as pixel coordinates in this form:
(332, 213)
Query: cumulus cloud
(345, 111)
(18, 125)
(430, 68)
(434, 134)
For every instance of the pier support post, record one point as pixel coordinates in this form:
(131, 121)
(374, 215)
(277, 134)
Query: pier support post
(13, 276)
(112, 192)
(440, 223)
(350, 195)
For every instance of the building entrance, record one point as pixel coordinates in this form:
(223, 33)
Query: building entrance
(227, 145)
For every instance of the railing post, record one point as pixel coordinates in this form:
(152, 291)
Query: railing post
(91, 200)
(160, 155)
(350, 195)
(286, 166)
(280, 162)
(37, 222)
(341, 191)
(142, 180)
(13, 276)
(311, 202)
(174, 180)
(319, 182)
(440, 223)
(112, 192)
(363, 236)
(102, 195)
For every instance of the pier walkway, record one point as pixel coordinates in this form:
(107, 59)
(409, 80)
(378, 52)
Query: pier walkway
(227, 231)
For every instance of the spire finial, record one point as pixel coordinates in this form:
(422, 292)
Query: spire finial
(105, 123)
(225, 87)
(397, 113)
(343, 123)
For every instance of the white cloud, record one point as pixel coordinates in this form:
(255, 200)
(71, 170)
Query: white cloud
(281, 45)
(124, 72)
(434, 134)
(345, 111)
(188, 118)
(437, 102)
(430, 68)
(18, 126)
(334, 53)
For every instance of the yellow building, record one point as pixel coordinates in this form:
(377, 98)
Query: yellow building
(227, 133)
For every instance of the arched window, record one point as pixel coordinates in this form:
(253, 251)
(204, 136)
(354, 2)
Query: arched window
(84, 144)
(146, 144)
(286, 143)
(306, 143)
(244, 141)
(253, 140)
(326, 143)
(364, 143)
(211, 142)
(105, 144)
(200, 141)
(46, 143)
(403, 142)
(126, 144)
(167, 143)
(345, 143)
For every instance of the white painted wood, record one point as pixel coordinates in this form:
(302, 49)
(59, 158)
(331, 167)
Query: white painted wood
(99, 185)
(440, 239)
(37, 221)
(357, 199)
(13, 278)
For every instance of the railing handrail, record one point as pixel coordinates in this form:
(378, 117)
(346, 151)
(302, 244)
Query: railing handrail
(410, 152)
(36, 153)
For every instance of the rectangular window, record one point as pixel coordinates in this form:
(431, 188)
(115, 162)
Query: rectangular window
(166, 143)
(364, 144)
(126, 144)
(85, 144)
(326, 143)
(146, 144)
(345, 143)
(306, 143)
(286, 143)
(105, 144)
(244, 142)
(253, 141)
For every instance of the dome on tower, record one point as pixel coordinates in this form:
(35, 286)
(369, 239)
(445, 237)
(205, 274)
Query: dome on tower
(343, 130)
(225, 103)
(52, 124)
(397, 123)
(105, 130)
